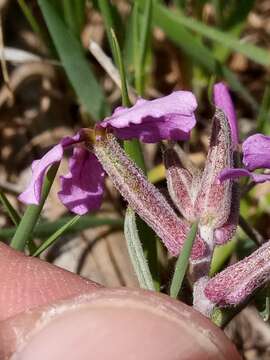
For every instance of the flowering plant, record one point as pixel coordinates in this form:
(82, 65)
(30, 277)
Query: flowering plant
(209, 197)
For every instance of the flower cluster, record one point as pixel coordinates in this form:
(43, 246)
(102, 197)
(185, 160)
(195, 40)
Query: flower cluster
(210, 197)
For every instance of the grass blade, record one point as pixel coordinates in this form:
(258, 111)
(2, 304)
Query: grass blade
(32, 213)
(13, 214)
(192, 46)
(136, 251)
(264, 113)
(120, 65)
(31, 20)
(141, 33)
(74, 62)
(46, 228)
(182, 262)
(255, 53)
(56, 235)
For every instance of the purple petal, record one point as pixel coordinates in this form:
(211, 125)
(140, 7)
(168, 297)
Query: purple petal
(232, 174)
(256, 150)
(170, 117)
(32, 194)
(236, 173)
(260, 178)
(223, 101)
(82, 188)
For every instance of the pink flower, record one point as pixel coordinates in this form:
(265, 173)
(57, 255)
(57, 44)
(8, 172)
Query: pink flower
(81, 189)
(170, 117)
(256, 148)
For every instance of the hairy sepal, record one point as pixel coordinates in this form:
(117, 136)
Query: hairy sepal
(213, 203)
(183, 182)
(238, 282)
(225, 233)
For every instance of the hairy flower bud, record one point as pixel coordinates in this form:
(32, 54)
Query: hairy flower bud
(213, 203)
(183, 182)
(225, 233)
(237, 282)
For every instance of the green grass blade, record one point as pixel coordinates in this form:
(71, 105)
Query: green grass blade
(182, 262)
(255, 53)
(120, 65)
(73, 59)
(73, 15)
(141, 33)
(31, 20)
(12, 213)
(45, 229)
(109, 22)
(168, 22)
(56, 235)
(263, 124)
(32, 213)
(136, 252)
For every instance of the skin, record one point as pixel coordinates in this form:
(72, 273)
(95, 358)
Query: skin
(49, 313)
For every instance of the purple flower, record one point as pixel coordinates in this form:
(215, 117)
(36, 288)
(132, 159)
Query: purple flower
(256, 148)
(256, 155)
(223, 101)
(82, 189)
(170, 117)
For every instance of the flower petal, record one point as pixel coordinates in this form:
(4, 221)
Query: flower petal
(236, 173)
(223, 101)
(82, 188)
(32, 194)
(232, 174)
(170, 117)
(256, 150)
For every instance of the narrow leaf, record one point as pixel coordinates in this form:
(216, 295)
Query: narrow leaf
(120, 65)
(182, 262)
(74, 62)
(56, 235)
(13, 214)
(45, 229)
(255, 53)
(136, 253)
(193, 47)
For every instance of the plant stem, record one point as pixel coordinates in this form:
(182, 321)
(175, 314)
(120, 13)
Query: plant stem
(32, 213)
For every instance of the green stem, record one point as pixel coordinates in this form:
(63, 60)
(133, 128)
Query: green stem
(32, 213)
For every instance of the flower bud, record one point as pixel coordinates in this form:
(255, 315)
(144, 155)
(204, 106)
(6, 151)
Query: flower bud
(213, 203)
